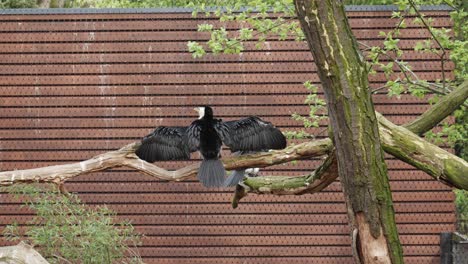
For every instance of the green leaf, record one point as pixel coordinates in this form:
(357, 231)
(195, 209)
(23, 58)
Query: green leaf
(419, 46)
(396, 14)
(259, 45)
(65, 228)
(205, 27)
(387, 68)
(394, 88)
(391, 44)
(245, 34)
(403, 24)
(196, 49)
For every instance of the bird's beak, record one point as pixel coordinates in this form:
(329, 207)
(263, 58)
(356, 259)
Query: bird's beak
(197, 110)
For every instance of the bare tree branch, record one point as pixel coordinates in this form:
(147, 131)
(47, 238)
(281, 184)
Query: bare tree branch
(21, 253)
(280, 185)
(296, 152)
(60, 173)
(443, 54)
(412, 149)
(396, 140)
(440, 110)
(126, 157)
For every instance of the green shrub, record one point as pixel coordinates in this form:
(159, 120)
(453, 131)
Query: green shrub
(66, 231)
(461, 202)
(461, 196)
(17, 4)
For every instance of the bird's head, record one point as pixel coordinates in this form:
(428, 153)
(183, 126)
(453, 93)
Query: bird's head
(204, 111)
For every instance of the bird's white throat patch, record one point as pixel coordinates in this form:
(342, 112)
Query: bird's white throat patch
(201, 112)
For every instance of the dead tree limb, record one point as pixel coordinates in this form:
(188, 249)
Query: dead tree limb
(21, 253)
(125, 157)
(396, 140)
(60, 173)
(392, 137)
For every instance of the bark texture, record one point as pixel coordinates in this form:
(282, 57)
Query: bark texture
(396, 140)
(361, 165)
(278, 185)
(440, 110)
(21, 253)
(126, 157)
(435, 161)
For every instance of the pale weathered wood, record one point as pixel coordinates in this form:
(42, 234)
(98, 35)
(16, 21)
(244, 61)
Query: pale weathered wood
(126, 157)
(392, 143)
(21, 253)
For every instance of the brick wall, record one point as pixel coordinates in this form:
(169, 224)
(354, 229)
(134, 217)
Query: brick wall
(74, 84)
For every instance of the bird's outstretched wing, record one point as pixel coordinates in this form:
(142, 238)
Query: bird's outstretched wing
(193, 135)
(165, 143)
(250, 134)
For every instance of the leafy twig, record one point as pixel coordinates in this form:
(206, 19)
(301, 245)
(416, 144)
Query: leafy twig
(428, 27)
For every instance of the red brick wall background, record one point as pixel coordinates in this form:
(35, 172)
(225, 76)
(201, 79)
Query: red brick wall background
(76, 85)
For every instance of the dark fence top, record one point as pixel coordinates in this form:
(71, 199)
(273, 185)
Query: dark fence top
(48, 11)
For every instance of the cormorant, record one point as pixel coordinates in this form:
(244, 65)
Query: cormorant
(207, 134)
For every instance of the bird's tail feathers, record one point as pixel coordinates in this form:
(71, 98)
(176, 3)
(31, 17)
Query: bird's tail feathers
(211, 173)
(235, 177)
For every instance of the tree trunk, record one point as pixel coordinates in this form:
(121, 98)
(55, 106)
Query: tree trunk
(361, 165)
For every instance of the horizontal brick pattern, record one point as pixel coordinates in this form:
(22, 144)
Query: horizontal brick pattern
(73, 86)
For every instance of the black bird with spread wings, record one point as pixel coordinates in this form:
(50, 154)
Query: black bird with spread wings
(207, 135)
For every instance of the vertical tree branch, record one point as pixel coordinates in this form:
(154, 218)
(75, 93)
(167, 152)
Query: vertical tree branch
(444, 53)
